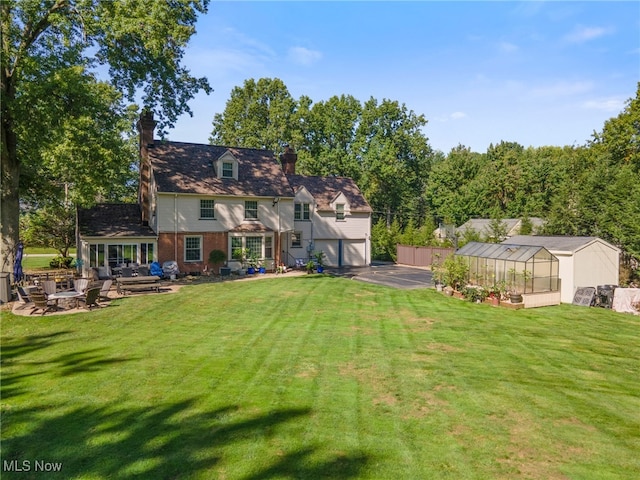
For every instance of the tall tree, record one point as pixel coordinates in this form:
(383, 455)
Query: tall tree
(142, 43)
(329, 135)
(258, 115)
(395, 159)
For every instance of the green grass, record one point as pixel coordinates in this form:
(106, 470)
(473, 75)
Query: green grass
(319, 377)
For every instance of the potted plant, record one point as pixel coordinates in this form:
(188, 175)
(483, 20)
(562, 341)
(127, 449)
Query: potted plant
(217, 257)
(253, 264)
(261, 268)
(319, 256)
(494, 294)
(515, 295)
(240, 255)
(309, 266)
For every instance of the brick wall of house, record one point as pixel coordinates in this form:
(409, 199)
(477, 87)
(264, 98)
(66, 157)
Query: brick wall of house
(167, 250)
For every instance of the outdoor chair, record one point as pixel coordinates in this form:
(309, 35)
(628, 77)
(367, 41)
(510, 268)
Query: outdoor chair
(104, 273)
(143, 271)
(80, 285)
(23, 297)
(49, 287)
(90, 300)
(104, 290)
(40, 302)
(127, 272)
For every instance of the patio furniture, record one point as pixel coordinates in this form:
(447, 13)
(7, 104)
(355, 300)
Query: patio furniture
(66, 296)
(80, 285)
(104, 290)
(49, 287)
(23, 297)
(143, 271)
(104, 273)
(40, 302)
(126, 285)
(90, 300)
(126, 271)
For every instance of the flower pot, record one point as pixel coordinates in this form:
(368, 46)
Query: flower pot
(262, 270)
(251, 271)
(515, 297)
(495, 301)
(320, 269)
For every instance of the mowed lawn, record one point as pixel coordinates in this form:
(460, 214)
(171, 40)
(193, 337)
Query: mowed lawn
(320, 377)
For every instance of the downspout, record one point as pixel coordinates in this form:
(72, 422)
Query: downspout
(278, 254)
(175, 227)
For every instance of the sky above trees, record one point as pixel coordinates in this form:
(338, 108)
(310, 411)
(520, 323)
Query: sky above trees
(536, 73)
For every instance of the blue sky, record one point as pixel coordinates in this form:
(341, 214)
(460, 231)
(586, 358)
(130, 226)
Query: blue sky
(536, 73)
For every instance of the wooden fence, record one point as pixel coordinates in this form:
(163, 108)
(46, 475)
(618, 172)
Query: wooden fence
(421, 256)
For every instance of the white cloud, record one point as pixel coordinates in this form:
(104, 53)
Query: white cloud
(605, 104)
(508, 47)
(562, 89)
(458, 115)
(582, 34)
(304, 56)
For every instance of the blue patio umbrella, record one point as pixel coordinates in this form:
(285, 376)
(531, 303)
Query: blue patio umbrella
(17, 264)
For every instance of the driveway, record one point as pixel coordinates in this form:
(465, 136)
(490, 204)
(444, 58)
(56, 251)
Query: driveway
(389, 274)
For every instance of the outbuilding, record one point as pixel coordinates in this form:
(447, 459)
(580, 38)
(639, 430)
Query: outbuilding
(583, 261)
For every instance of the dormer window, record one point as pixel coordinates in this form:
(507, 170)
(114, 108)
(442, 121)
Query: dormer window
(227, 170)
(339, 211)
(226, 166)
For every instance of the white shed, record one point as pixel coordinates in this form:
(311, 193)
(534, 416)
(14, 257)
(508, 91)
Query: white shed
(583, 261)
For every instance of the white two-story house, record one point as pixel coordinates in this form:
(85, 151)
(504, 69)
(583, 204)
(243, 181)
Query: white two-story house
(195, 198)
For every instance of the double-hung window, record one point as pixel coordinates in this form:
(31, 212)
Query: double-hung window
(207, 209)
(251, 209)
(227, 170)
(301, 211)
(340, 211)
(192, 249)
(296, 240)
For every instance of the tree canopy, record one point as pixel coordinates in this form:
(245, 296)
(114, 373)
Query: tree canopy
(63, 128)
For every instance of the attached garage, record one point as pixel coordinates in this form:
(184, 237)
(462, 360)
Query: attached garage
(343, 252)
(583, 261)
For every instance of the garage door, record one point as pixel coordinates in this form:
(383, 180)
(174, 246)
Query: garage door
(342, 253)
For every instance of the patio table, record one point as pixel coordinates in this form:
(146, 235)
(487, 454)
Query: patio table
(65, 296)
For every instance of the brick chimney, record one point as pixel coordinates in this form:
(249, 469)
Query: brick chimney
(288, 159)
(146, 124)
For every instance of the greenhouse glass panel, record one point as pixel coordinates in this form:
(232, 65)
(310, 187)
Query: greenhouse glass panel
(527, 269)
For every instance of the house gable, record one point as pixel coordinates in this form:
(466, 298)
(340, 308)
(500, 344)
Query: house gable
(340, 199)
(303, 195)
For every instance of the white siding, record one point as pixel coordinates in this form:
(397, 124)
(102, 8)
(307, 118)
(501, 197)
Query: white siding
(184, 211)
(596, 264)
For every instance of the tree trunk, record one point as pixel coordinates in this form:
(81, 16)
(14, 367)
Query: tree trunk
(10, 171)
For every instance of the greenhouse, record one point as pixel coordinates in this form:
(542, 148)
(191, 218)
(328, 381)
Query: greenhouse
(526, 269)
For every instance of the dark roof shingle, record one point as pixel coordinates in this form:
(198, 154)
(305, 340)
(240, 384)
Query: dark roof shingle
(113, 220)
(326, 189)
(188, 168)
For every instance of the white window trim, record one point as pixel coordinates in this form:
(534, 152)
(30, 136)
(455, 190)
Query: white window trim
(299, 235)
(184, 252)
(257, 210)
(214, 209)
(302, 212)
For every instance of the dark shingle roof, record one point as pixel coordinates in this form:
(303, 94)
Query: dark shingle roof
(326, 189)
(187, 168)
(556, 243)
(113, 220)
